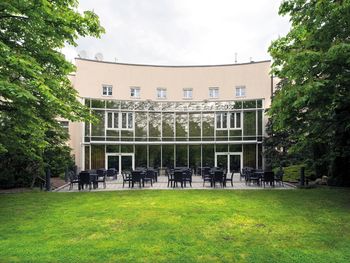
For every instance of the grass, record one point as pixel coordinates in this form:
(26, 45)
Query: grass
(176, 226)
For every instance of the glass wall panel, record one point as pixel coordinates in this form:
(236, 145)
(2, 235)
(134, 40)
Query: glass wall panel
(222, 135)
(127, 148)
(87, 103)
(259, 103)
(181, 126)
(195, 126)
(87, 157)
(250, 104)
(260, 156)
(260, 124)
(98, 104)
(127, 135)
(235, 135)
(181, 156)
(168, 127)
(154, 156)
(235, 148)
(112, 104)
(208, 126)
(140, 155)
(249, 155)
(168, 156)
(87, 128)
(222, 148)
(113, 148)
(195, 156)
(140, 126)
(126, 105)
(98, 129)
(249, 123)
(154, 126)
(237, 105)
(113, 135)
(97, 156)
(208, 155)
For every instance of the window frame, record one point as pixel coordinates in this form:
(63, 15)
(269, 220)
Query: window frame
(132, 91)
(228, 120)
(240, 94)
(119, 117)
(109, 90)
(162, 92)
(211, 92)
(187, 91)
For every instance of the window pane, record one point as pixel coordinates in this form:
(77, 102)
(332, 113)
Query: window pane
(98, 129)
(109, 120)
(224, 120)
(195, 156)
(124, 120)
(168, 156)
(168, 126)
(232, 120)
(218, 120)
(140, 126)
(195, 126)
(130, 120)
(249, 123)
(181, 126)
(208, 155)
(238, 120)
(140, 155)
(97, 156)
(154, 156)
(116, 119)
(154, 126)
(181, 155)
(208, 126)
(249, 155)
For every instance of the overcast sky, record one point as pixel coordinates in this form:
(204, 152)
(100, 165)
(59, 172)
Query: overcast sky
(183, 32)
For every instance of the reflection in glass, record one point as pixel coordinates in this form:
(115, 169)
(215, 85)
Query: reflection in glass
(249, 123)
(97, 156)
(260, 124)
(140, 126)
(112, 104)
(249, 155)
(168, 156)
(194, 126)
(181, 126)
(98, 129)
(154, 127)
(154, 156)
(98, 104)
(208, 126)
(195, 156)
(168, 126)
(208, 155)
(181, 156)
(140, 155)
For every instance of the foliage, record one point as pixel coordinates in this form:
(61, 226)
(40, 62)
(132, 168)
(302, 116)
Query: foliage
(292, 172)
(34, 87)
(176, 226)
(312, 105)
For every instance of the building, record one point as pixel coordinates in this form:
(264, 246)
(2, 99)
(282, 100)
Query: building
(171, 116)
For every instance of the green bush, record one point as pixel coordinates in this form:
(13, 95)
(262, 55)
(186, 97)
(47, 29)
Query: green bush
(292, 173)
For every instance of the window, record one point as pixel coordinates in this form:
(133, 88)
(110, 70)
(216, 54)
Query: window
(225, 120)
(135, 92)
(240, 91)
(187, 93)
(221, 120)
(235, 120)
(120, 120)
(213, 93)
(161, 93)
(107, 90)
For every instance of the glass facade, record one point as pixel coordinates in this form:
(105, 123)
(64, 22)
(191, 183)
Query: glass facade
(174, 134)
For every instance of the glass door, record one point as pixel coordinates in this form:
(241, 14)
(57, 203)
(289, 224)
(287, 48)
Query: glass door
(235, 163)
(120, 161)
(126, 162)
(229, 161)
(113, 162)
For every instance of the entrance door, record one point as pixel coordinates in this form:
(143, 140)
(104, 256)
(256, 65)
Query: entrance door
(229, 161)
(120, 161)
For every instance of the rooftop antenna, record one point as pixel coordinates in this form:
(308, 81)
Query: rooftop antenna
(236, 57)
(99, 56)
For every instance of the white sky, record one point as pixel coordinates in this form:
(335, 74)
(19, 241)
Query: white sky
(183, 32)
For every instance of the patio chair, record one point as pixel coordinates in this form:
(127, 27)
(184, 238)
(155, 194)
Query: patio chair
(101, 177)
(126, 178)
(251, 176)
(207, 176)
(279, 177)
(268, 177)
(149, 176)
(187, 176)
(84, 180)
(230, 179)
(73, 179)
(137, 177)
(170, 176)
(112, 172)
(178, 178)
(218, 177)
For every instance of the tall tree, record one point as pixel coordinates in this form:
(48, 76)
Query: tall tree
(34, 84)
(313, 102)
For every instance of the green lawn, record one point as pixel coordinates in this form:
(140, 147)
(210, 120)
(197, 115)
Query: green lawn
(177, 226)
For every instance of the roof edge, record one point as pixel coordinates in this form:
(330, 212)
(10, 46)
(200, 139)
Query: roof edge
(169, 66)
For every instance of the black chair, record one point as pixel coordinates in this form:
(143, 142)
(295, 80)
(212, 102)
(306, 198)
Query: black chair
(137, 177)
(178, 178)
(112, 172)
(187, 176)
(251, 176)
(279, 177)
(207, 176)
(84, 180)
(101, 177)
(73, 179)
(170, 174)
(149, 176)
(126, 178)
(268, 177)
(218, 177)
(230, 179)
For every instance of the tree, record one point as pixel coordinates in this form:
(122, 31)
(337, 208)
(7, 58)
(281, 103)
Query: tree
(34, 85)
(313, 102)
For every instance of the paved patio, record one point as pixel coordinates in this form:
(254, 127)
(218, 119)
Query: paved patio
(197, 183)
